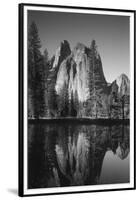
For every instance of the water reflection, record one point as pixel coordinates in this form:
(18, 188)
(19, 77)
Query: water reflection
(70, 155)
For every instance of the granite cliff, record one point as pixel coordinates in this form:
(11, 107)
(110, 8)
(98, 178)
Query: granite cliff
(80, 86)
(76, 87)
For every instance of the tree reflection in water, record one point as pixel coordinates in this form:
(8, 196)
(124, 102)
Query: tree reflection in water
(70, 155)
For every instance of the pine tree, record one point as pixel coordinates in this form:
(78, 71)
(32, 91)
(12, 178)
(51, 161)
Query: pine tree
(52, 101)
(34, 54)
(124, 99)
(92, 67)
(46, 72)
(92, 103)
(35, 72)
(45, 55)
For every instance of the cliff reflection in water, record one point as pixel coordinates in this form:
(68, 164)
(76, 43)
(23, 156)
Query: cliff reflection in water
(70, 155)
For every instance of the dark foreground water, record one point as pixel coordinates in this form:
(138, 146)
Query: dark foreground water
(74, 154)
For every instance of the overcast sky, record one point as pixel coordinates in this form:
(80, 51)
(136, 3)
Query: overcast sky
(110, 32)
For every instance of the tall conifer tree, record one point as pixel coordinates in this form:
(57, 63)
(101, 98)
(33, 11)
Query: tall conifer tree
(35, 73)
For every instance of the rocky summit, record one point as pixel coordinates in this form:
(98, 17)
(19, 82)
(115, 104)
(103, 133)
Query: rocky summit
(81, 83)
(73, 72)
(76, 86)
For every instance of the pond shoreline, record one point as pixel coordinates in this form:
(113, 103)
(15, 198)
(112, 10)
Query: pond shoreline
(81, 121)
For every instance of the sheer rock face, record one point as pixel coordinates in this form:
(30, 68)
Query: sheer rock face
(74, 71)
(120, 97)
(81, 73)
(61, 53)
(123, 85)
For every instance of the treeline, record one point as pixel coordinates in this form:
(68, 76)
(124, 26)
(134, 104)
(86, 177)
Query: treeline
(43, 101)
(38, 67)
(42, 98)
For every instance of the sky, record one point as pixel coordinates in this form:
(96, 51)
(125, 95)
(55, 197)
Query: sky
(110, 32)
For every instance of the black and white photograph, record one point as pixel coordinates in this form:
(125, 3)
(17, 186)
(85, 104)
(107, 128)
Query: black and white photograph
(77, 107)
